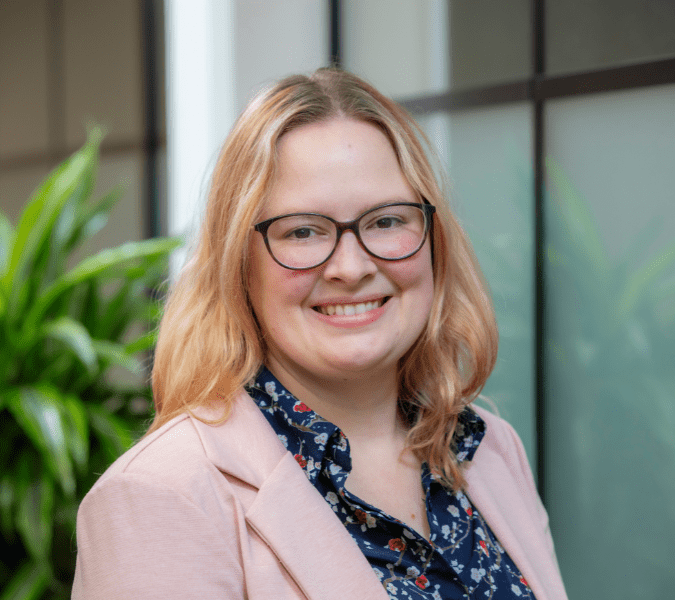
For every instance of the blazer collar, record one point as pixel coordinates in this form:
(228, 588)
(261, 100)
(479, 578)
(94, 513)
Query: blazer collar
(288, 512)
(244, 445)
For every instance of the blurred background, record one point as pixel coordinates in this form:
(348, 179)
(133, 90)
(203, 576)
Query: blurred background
(554, 126)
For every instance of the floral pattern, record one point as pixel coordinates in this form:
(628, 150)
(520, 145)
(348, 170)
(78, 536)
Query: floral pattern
(462, 559)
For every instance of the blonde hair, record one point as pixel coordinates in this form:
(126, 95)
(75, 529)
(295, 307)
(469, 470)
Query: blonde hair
(209, 341)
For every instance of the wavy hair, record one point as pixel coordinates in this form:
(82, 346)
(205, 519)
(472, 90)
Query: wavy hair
(210, 344)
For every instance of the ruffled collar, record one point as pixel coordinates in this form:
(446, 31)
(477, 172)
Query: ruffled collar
(318, 444)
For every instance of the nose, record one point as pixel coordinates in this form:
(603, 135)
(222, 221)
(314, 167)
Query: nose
(349, 263)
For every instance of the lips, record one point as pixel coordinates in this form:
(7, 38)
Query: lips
(349, 309)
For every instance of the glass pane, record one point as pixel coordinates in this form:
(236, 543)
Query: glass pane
(584, 35)
(488, 155)
(400, 47)
(276, 39)
(610, 335)
(490, 42)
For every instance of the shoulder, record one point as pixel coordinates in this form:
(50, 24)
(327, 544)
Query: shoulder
(162, 500)
(500, 465)
(194, 453)
(500, 460)
(173, 495)
(172, 456)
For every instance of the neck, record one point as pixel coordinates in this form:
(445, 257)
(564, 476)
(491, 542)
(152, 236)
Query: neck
(364, 406)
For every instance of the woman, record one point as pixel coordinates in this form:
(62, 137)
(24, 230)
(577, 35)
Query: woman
(312, 380)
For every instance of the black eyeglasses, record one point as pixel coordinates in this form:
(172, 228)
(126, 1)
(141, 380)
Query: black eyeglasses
(306, 240)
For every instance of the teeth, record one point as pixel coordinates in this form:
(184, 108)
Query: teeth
(349, 309)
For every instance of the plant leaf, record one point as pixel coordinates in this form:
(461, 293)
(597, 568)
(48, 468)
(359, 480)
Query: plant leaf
(96, 265)
(142, 343)
(75, 416)
(93, 220)
(6, 240)
(6, 236)
(74, 335)
(29, 583)
(89, 304)
(111, 430)
(37, 411)
(7, 502)
(640, 282)
(37, 221)
(115, 314)
(116, 354)
(577, 217)
(35, 505)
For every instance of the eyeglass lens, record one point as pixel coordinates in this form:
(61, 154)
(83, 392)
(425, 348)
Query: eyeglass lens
(389, 232)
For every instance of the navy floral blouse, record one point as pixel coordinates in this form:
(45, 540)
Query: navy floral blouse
(463, 559)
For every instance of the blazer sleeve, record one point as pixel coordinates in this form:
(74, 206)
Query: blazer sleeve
(141, 540)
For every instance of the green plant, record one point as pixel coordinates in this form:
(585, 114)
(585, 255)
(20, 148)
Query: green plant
(610, 346)
(64, 416)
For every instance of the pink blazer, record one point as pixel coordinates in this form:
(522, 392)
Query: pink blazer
(195, 511)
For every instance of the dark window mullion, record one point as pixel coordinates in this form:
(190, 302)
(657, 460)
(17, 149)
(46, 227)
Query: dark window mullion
(151, 209)
(541, 87)
(516, 91)
(538, 72)
(335, 30)
(606, 80)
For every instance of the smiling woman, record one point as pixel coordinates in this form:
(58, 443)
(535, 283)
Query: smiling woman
(347, 169)
(317, 360)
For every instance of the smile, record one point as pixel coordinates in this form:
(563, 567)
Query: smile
(350, 309)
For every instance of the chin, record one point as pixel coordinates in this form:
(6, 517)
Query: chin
(360, 364)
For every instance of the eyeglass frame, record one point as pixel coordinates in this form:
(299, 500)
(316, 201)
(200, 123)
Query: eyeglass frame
(342, 226)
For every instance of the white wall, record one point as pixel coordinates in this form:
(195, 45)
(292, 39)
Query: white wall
(277, 38)
(219, 53)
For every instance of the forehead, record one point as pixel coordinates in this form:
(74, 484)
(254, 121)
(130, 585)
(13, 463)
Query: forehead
(340, 168)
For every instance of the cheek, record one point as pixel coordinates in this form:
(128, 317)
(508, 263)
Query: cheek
(415, 273)
(416, 280)
(273, 289)
(289, 288)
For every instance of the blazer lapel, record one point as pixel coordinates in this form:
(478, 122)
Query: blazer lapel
(288, 512)
(310, 541)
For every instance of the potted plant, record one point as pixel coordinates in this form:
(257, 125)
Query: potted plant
(64, 329)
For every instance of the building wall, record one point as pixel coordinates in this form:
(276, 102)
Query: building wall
(64, 66)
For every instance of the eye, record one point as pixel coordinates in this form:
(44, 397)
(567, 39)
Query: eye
(300, 228)
(300, 233)
(387, 222)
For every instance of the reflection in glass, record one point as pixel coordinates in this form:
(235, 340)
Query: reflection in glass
(490, 42)
(610, 332)
(487, 153)
(585, 35)
(400, 47)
